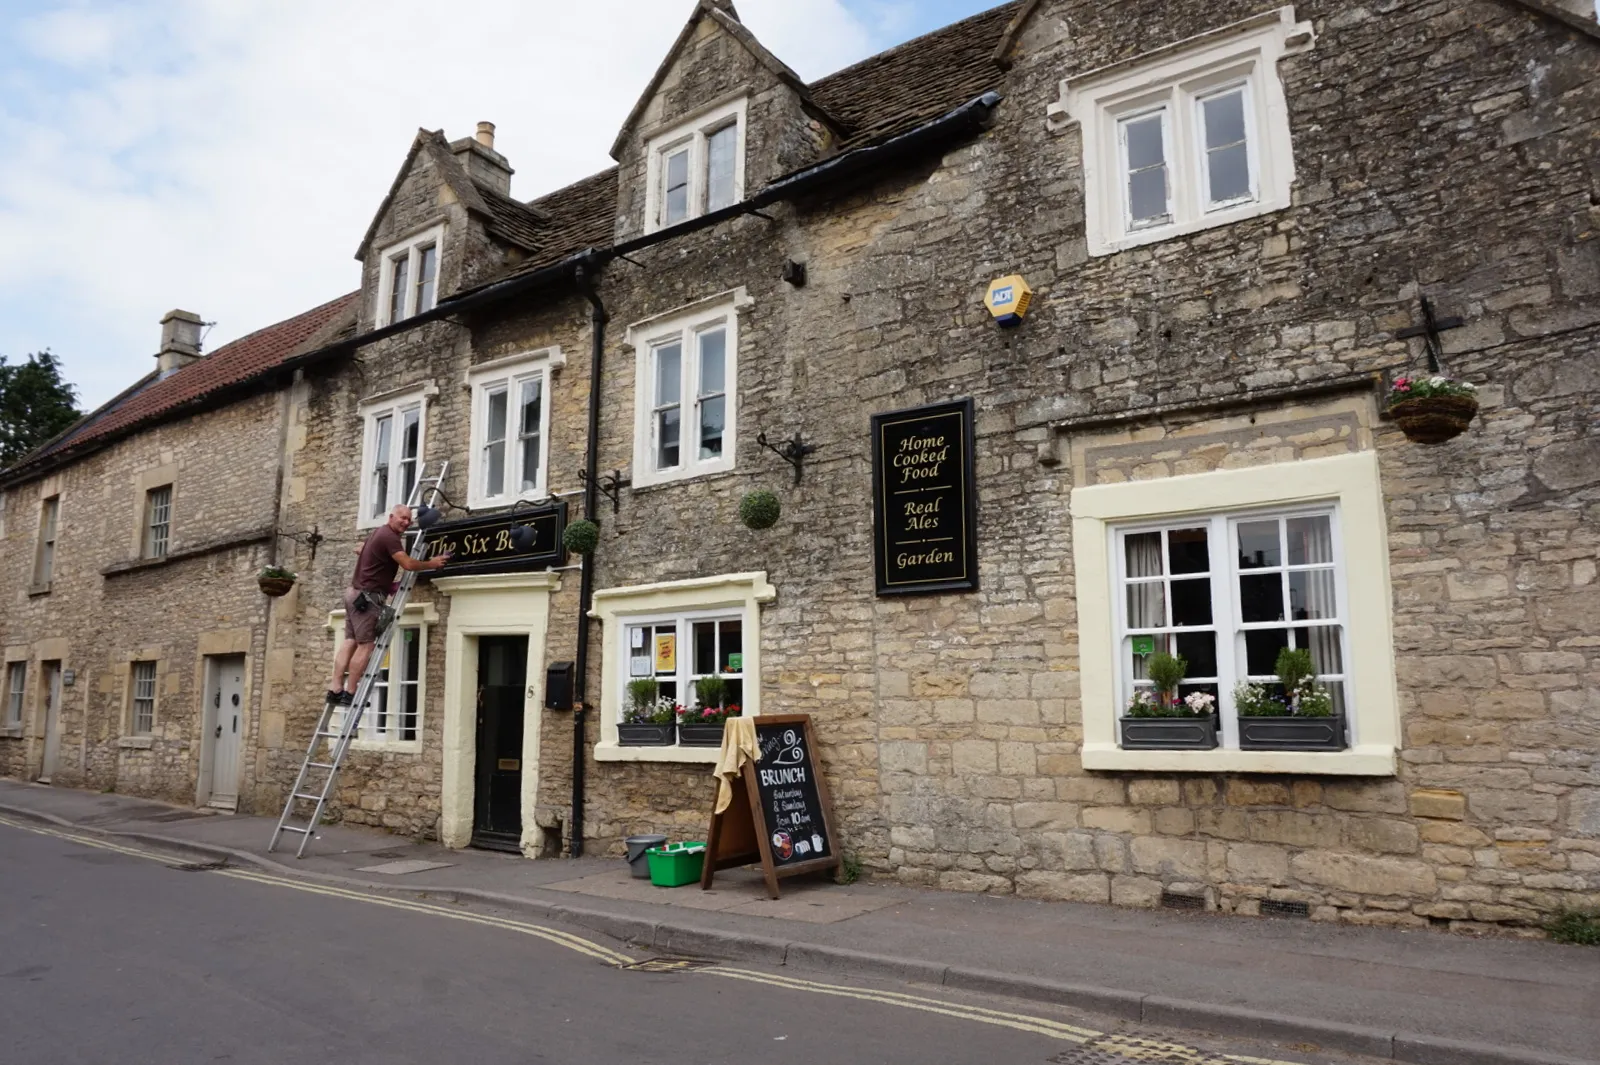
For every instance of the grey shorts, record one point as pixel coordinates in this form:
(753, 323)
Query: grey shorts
(361, 625)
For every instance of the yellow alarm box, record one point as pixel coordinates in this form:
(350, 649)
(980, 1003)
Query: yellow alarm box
(1008, 299)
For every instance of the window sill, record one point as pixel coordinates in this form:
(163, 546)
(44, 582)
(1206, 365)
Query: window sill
(1189, 226)
(12, 733)
(610, 751)
(136, 743)
(666, 480)
(387, 746)
(39, 589)
(1373, 760)
(138, 565)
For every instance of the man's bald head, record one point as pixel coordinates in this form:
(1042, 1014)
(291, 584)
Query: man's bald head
(400, 518)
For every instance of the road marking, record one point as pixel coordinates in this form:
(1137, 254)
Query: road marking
(86, 841)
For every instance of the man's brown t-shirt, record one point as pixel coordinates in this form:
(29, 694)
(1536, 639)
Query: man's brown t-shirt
(375, 566)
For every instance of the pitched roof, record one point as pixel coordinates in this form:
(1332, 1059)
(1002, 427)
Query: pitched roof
(233, 364)
(582, 215)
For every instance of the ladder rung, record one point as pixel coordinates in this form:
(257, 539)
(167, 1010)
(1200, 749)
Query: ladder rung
(306, 795)
(320, 765)
(291, 828)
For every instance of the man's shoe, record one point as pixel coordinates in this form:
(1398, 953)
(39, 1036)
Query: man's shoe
(346, 698)
(333, 697)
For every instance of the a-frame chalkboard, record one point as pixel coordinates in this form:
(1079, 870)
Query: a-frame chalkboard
(781, 814)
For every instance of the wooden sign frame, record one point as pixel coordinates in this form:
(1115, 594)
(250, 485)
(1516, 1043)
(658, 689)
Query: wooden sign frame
(739, 835)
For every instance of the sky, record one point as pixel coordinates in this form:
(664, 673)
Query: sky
(226, 156)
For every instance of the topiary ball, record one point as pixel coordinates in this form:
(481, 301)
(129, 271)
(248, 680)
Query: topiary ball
(759, 509)
(581, 537)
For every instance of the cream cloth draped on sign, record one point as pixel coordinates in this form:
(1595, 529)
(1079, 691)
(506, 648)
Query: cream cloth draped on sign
(738, 747)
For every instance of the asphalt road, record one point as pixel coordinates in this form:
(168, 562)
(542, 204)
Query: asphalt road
(108, 956)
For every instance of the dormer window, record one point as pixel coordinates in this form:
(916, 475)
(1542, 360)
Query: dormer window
(408, 282)
(696, 167)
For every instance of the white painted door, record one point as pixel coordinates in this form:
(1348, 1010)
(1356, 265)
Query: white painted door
(52, 720)
(225, 718)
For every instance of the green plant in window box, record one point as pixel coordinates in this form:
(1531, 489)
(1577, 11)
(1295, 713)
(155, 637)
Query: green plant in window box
(702, 725)
(1157, 720)
(1302, 718)
(650, 719)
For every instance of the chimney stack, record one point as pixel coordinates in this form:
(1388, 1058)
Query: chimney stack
(180, 341)
(482, 163)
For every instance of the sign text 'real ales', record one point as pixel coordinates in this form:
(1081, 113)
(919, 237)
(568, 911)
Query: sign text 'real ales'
(924, 500)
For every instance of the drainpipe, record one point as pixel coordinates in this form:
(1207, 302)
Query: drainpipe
(583, 274)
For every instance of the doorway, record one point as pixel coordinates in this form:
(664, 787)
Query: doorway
(502, 706)
(223, 723)
(50, 673)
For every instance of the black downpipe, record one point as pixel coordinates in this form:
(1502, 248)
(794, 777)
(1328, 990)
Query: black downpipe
(584, 276)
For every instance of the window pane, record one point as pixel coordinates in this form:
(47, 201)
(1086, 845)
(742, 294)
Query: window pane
(1261, 597)
(427, 277)
(1200, 650)
(382, 437)
(732, 644)
(1323, 641)
(397, 293)
(1143, 551)
(720, 149)
(496, 421)
(1191, 602)
(711, 417)
(1310, 540)
(1147, 195)
(705, 647)
(1186, 551)
(1311, 595)
(713, 359)
(735, 694)
(1147, 606)
(410, 445)
(380, 466)
(411, 653)
(532, 410)
(494, 479)
(1224, 118)
(532, 405)
(669, 374)
(1258, 544)
(1229, 174)
(1261, 647)
(1147, 169)
(1145, 148)
(675, 207)
(667, 433)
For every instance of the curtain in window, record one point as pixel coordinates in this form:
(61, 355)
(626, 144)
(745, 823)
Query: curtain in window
(1312, 592)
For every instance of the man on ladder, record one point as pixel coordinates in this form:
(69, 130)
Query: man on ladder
(381, 558)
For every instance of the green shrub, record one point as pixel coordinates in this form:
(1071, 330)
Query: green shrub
(760, 509)
(711, 691)
(1166, 671)
(1293, 666)
(642, 693)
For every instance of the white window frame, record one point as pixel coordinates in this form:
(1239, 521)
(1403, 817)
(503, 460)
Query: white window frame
(684, 676)
(157, 533)
(484, 380)
(410, 250)
(44, 559)
(1227, 624)
(1175, 80)
(420, 617)
(730, 596)
(396, 406)
(16, 695)
(693, 135)
(1350, 483)
(135, 698)
(685, 326)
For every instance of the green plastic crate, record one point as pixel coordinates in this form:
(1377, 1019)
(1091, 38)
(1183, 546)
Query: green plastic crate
(676, 864)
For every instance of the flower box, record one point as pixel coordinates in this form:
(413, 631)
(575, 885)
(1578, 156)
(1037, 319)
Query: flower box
(700, 735)
(1297, 733)
(647, 735)
(1433, 419)
(1191, 733)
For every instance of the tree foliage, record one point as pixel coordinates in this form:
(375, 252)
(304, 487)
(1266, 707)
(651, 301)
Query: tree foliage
(35, 404)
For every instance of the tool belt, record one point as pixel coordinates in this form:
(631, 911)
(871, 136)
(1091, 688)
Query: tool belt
(369, 600)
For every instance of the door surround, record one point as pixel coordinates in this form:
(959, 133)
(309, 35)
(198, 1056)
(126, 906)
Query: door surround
(500, 604)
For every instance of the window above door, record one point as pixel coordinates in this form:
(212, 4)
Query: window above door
(393, 436)
(509, 460)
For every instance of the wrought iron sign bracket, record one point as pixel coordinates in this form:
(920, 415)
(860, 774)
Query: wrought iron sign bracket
(610, 485)
(793, 451)
(1429, 331)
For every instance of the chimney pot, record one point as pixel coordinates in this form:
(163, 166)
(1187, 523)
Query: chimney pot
(180, 341)
(486, 134)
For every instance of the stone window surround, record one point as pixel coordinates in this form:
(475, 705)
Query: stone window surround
(1243, 52)
(682, 322)
(422, 616)
(694, 131)
(15, 656)
(165, 475)
(509, 369)
(131, 737)
(396, 401)
(410, 246)
(49, 518)
(1352, 481)
(741, 593)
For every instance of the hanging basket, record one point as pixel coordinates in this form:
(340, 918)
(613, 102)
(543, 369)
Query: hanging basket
(1434, 419)
(275, 586)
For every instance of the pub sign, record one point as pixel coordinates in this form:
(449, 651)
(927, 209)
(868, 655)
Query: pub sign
(483, 545)
(925, 503)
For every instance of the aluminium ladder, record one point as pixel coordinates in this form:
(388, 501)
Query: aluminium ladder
(339, 736)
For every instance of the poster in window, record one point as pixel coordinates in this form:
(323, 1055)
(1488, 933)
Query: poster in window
(666, 653)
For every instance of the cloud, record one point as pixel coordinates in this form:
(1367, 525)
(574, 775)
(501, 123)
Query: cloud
(226, 157)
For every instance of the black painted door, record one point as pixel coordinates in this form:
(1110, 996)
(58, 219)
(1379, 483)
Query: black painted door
(502, 696)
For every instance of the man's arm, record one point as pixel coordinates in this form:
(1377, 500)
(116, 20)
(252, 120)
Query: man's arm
(406, 562)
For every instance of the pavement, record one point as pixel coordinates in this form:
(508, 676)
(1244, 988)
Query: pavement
(1426, 997)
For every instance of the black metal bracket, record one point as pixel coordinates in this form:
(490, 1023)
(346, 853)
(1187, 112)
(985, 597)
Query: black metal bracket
(310, 539)
(1429, 331)
(792, 451)
(610, 485)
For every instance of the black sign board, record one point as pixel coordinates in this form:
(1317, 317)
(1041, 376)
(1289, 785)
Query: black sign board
(781, 814)
(483, 545)
(925, 502)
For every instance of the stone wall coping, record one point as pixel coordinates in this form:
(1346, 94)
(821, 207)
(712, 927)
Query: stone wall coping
(1258, 397)
(257, 536)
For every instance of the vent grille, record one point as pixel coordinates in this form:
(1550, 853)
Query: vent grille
(1275, 908)
(1173, 900)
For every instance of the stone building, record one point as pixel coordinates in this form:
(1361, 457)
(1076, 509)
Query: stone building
(1233, 218)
